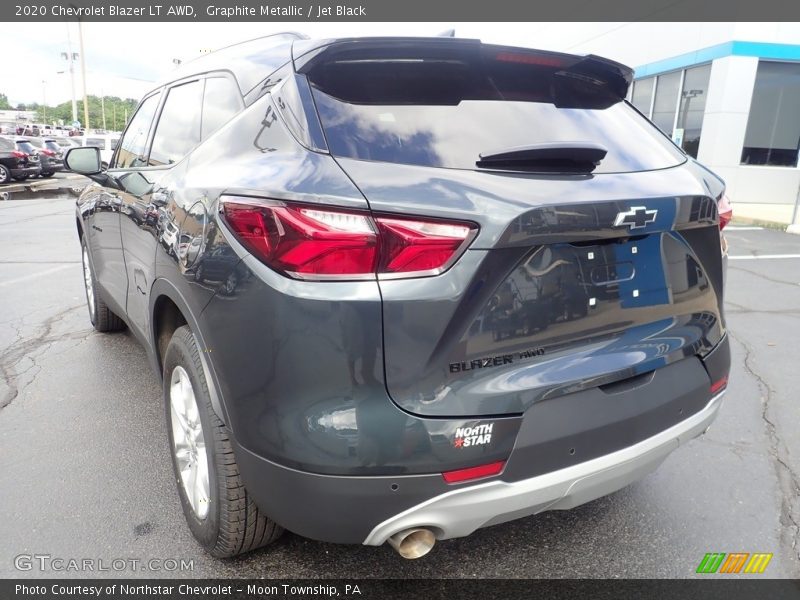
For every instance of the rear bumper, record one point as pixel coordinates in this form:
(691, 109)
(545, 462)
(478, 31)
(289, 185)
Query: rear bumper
(460, 512)
(369, 509)
(25, 171)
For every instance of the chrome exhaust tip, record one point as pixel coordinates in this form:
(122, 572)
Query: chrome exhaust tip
(413, 543)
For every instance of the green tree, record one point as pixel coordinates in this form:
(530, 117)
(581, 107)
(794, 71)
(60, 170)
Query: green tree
(4, 105)
(115, 110)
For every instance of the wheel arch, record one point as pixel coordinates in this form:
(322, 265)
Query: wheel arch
(168, 311)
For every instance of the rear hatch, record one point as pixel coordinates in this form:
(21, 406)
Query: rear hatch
(598, 254)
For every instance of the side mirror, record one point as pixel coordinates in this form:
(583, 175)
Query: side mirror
(84, 160)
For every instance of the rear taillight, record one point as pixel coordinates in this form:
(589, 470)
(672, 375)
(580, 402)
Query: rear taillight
(18, 154)
(416, 246)
(320, 243)
(47, 152)
(725, 211)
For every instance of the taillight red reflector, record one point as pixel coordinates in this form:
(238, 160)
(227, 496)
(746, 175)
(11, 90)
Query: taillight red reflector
(725, 211)
(719, 384)
(315, 242)
(471, 473)
(18, 154)
(48, 152)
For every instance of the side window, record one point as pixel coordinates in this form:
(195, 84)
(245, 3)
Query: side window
(221, 102)
(133, 143)
(178, 129)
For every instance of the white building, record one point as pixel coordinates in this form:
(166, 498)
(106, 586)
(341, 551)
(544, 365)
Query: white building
(736, 107)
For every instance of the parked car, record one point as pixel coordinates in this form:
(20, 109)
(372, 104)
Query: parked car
(332, 351)
(106, 143)
(51, 155)
(66, 142)
(14, 163)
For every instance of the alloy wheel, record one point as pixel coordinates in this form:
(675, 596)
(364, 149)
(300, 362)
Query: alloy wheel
(188, 442)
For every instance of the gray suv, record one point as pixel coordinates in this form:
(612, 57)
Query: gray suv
(400, 289)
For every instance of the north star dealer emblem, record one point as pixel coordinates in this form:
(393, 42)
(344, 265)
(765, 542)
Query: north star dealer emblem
(479, 435)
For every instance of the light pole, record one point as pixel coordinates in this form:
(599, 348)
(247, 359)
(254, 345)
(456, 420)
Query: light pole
(71, 57)
(83, 77)
(44, 104)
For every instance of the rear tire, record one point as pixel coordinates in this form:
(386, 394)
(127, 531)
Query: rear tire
(5, 174)
(219, 511)
(100, 315)
(47, 174)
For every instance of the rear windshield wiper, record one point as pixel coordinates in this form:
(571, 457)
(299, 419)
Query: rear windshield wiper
(549, 157)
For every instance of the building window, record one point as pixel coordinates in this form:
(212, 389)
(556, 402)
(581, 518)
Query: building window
(666, 102)
(642, 96)
(679, 117)
(692, 108)
(773, 127)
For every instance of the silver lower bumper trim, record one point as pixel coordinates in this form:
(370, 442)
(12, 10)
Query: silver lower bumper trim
(465, 509)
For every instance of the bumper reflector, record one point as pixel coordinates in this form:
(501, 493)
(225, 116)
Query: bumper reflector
(719, 384)
(471, 473)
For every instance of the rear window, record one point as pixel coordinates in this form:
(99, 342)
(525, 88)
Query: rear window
(445, 110)
(51, 145)
(26, 147)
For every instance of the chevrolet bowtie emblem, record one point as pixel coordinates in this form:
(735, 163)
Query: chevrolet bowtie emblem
(635, 218)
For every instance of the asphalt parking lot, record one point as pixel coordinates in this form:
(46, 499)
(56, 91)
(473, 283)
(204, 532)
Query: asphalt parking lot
(85, 471)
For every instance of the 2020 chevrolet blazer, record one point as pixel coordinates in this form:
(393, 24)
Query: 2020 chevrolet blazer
(398, 289)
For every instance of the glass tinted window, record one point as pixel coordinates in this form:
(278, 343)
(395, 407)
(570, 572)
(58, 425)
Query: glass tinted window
(95, 142)
(454, 136)
(178, 129)
(444, 105)
(51, 145)
(773, 127)
(26, 146)
(693, 106)
(666, 101)
(642, 96)
(220, 102)
(132, 146)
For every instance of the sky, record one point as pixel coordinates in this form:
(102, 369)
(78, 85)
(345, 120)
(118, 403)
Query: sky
(118, 63)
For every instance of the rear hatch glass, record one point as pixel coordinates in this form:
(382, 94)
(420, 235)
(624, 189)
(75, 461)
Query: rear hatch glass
(445, 105)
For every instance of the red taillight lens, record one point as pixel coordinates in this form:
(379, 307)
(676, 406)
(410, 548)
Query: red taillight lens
(305, 241)
(725, 211)
(471, 473)
(47, 152)
(314, 242)
(18, 154)
(419, 246)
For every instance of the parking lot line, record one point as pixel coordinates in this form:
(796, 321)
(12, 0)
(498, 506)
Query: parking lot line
(758, 256)
(743, 228)
(35, 275)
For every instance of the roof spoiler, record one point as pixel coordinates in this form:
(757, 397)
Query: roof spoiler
(578, 81)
